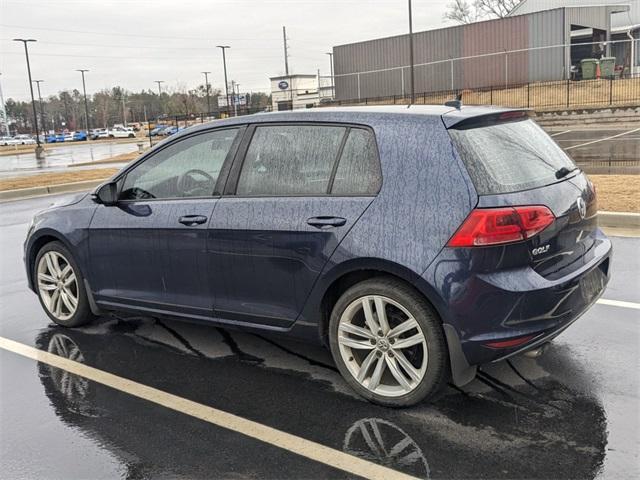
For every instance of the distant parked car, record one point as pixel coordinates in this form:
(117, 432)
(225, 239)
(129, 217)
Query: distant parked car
(8, 141)
(68, 136)
(170, 130)
(51, 138)
(122, 132)
(24, 140)
(156, 131)
(97, 133)
(80, 136)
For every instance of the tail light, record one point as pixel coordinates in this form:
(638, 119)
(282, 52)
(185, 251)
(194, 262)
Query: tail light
(496, 226)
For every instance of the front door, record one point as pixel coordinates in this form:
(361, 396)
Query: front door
(291, 206)
(148, 251)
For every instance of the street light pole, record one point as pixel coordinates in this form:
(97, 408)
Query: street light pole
(412, 80)
(3, 111)
(38, 82)
(160, 82)
(39, 149)
(86, 105)
(226, 82)
(206, 82)
(333, 93)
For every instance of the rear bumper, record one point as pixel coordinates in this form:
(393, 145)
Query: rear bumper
(517, 304)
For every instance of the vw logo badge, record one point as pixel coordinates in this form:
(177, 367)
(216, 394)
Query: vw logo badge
(582, 207)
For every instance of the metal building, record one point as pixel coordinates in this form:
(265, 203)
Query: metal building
(509, 51)
(624, 26)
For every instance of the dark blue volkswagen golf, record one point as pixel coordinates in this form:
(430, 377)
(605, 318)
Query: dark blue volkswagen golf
(417, 243)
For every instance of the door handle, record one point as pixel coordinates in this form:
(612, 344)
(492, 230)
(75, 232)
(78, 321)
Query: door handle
(191, 220)
(326, 222)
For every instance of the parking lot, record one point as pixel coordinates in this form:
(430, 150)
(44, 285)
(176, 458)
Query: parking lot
(605, 150)
(163, 411)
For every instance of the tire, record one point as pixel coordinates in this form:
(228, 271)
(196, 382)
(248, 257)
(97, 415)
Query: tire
(131, 136)
(353, 346)
(56, 256)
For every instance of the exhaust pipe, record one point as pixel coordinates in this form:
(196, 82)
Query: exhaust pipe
(536, 352)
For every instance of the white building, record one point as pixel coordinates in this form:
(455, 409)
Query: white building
(299, 91)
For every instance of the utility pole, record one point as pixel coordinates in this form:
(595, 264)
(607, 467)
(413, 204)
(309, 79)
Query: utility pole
(206, 85)
(233, 98)
(38, 82)
(286, 51)
(3, 112)
(333, 92)
(238, 96)
(39, 149)
(86, 105)
(160, 82)
(411, 83)
(124, 110)
(226, 82)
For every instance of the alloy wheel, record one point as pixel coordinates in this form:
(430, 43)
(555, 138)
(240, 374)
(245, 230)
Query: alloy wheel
(382, 346)
(57, 285)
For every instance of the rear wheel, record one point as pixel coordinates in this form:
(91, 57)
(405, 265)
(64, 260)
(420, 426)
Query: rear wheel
(60, 286)
(388, 343)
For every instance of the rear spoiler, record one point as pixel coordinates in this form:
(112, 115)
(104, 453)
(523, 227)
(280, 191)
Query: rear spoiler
(460, 121)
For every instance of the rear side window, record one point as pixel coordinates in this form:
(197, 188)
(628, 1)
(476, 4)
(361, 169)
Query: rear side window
(358, 172)
(509, 157)
(290, 160)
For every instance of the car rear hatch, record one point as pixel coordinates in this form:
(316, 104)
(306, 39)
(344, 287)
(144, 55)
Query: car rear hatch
(515, 165)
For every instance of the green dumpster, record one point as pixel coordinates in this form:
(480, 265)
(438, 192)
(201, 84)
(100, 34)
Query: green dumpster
(589, 67)
(607, 67)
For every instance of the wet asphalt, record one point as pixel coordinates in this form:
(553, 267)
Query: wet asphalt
(603, 150)
(572, 413)
(61, 156)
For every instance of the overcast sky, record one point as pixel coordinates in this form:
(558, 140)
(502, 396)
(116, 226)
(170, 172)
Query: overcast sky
(134, 42)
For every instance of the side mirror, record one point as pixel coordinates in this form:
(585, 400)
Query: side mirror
(107, 194)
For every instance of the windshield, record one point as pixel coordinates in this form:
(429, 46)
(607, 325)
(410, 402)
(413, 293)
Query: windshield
(509, 157)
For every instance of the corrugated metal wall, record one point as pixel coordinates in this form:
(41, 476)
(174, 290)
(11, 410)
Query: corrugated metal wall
(539, 29)
(618, 19)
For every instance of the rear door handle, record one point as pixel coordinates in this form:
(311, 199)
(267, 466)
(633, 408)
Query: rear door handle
(191, 220)
(326, 222)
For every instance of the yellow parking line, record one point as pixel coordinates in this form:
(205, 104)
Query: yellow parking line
(619, 303)
(286, 441)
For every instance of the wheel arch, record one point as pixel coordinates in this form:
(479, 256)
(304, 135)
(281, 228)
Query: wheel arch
(349, 273)
(36, 243)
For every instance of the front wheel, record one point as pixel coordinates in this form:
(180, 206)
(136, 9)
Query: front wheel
(60, 286)
(388, 343)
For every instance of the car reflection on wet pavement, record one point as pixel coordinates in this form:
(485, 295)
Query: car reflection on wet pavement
(516, 421)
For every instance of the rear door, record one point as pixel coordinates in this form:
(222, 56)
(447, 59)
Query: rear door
(288, 204)
(513, 162)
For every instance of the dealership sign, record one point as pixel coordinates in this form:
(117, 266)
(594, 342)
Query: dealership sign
(283, 85)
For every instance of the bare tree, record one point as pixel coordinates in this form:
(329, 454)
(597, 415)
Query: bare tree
(464, 11)
(461, 12)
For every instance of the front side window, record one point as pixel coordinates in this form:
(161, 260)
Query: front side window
(188, 168)
(290, 160)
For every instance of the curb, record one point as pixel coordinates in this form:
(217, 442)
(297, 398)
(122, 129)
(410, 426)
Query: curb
(24, 193)
(619, 219)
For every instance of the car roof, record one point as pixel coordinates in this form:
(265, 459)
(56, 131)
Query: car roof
(361, 114)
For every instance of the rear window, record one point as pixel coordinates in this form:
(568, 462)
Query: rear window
(509, 157)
